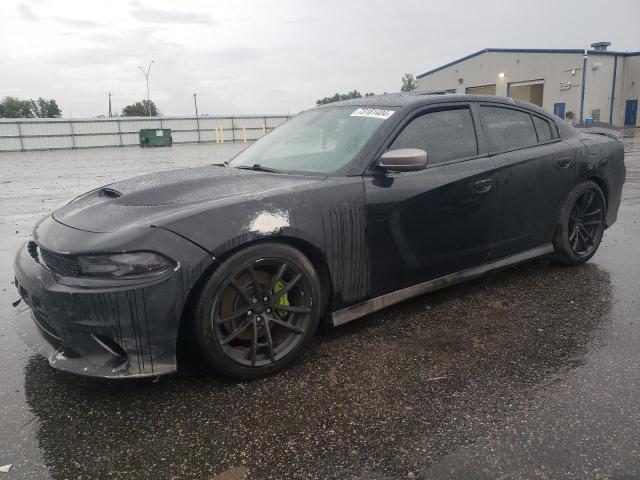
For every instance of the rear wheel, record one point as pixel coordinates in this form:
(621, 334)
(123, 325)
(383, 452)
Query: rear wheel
(258, 311)
(582, 224)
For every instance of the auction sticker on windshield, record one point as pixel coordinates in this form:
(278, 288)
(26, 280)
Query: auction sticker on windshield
(372, 113)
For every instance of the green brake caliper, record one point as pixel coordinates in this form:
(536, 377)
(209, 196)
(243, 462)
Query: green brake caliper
(283, 300)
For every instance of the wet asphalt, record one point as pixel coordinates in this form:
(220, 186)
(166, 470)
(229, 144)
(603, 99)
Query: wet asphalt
(529, 373)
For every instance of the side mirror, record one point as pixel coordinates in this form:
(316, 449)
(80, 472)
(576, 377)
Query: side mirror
(403, 160)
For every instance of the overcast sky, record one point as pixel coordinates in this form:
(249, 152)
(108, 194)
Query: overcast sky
(244, 56)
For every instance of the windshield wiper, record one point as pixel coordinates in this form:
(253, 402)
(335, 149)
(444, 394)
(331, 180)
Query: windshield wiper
(259, 168)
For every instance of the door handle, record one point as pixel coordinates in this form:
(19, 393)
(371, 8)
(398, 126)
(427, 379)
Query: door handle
(564, 162)
(483, 186)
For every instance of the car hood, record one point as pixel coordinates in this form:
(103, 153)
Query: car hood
(147, 199)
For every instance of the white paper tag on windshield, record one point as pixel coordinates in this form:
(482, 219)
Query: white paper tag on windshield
(373, 113)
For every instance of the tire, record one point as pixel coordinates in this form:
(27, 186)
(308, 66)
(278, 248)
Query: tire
(245, 333)
(581, 224)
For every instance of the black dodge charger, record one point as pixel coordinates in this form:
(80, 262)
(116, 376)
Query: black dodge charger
(341, 211)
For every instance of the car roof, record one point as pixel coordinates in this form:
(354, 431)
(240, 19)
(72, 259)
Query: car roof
(402, 100)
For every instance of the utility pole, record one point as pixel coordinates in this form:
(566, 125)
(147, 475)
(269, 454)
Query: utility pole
(109, 104)
(146, 76)
(195, 103)
(583, 86)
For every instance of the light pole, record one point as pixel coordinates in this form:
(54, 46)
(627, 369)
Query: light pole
(195, 103)
(109, 104)
(146, 76)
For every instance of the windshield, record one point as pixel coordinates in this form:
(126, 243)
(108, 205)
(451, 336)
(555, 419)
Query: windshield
(319, 141)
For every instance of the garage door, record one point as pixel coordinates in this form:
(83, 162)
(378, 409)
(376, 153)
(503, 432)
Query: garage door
(482, 90)
(529, 91)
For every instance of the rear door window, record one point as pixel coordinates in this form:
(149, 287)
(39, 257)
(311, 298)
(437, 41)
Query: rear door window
(445, 135)
(507, 129)
(543, 128)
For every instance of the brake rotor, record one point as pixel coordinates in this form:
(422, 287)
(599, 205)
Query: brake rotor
(232, 301)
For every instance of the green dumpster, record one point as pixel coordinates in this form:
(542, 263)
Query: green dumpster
(155, 137)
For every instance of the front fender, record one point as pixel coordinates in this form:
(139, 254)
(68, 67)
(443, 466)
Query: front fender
(330, 216)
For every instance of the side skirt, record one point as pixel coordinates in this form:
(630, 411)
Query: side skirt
(361, 309)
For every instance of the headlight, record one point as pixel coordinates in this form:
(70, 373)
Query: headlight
(125, 265)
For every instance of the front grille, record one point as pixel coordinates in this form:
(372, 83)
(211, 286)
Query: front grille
(60, 264)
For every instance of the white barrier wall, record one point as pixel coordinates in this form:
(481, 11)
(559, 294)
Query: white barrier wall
(51, 133)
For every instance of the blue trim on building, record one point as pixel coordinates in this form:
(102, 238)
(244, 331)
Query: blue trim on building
(453, 63)
(617, 54)
(583, 86)
(528, 50)
(613, 87)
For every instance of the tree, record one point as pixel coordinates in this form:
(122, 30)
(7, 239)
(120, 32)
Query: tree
(12, 107)
(342, 96)
(141, 109)
(42, 108)
(408, 83)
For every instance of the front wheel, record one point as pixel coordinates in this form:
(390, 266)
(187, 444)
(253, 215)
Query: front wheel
(581, 225)
(258, 311)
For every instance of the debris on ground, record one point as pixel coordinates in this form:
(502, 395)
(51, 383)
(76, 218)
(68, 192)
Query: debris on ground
(234, 473)
(6, 468)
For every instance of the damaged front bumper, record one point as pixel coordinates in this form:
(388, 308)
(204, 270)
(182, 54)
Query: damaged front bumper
(110, 332)
(97, 359)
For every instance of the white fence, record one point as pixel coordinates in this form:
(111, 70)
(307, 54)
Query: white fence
(52, 133)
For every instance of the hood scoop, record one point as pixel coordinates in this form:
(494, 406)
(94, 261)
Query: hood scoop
(109, 193)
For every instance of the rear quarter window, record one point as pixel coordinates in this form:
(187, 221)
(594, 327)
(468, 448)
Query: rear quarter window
(543, 128)
(507, 129)
(445, 135)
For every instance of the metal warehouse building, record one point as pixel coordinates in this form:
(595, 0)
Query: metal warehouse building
(593, 84)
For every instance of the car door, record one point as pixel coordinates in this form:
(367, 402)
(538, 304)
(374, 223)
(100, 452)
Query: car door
(426, 224)
(534, 169)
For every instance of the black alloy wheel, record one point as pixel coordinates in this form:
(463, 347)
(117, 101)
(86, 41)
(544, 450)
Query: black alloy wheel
(586, 223)
(258, 311)
(582, 224)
